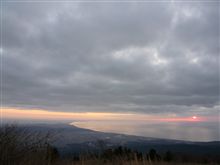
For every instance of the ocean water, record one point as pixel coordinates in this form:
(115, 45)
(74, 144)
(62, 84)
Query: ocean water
(190, 131)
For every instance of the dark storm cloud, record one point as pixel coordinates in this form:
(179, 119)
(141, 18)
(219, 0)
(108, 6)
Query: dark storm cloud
(148, 57)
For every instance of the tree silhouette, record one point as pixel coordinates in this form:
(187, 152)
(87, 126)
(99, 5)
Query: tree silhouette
(152, 155)
(168, 156)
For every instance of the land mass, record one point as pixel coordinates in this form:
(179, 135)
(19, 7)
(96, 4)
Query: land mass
(71, 139)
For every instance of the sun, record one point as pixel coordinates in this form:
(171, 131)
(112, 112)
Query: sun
(194, 117)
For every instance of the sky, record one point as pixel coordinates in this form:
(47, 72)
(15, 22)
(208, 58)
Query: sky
(142, 64)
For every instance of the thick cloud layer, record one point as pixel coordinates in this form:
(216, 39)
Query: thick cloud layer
(136, 57)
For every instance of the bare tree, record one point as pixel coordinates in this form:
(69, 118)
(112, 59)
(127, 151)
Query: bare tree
(22, 146)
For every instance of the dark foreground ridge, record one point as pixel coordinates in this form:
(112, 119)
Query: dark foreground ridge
(65, 144)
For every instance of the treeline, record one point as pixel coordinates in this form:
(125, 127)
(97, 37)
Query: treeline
(20, 146)
(124, 154)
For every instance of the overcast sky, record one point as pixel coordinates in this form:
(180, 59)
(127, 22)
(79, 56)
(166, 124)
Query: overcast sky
(111, 57)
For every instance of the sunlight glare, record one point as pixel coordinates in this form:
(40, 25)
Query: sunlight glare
(194, 117)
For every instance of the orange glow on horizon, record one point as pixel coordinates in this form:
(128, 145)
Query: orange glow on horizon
(43, 114)
(37, 114)
(184, 119)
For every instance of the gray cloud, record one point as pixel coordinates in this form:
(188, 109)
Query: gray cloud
(150, 57)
